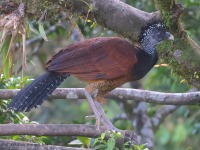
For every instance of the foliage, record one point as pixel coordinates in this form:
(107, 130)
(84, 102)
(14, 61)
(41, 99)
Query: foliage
(191, 18)
(165, 80)
(105, 143)
(10, 117)
(12, 30)
(180, 131)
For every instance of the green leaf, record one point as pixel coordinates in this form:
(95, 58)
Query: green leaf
(95, 141)
(90, 7)
(103, 136)
(100, 147)
(180, 133)
(16, 137)
(111, 144)
(93, 25)
(6, 62)
(136, 147)
(28, 30)
(141, 146)
(84, 140)
(118, 135)
(164, 135)
(42, 32)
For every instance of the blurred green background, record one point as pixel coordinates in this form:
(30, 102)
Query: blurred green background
(180, 130)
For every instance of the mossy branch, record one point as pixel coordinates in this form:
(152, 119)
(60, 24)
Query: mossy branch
(184, 54)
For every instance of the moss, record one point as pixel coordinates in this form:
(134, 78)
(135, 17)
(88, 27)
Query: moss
(37, 7)
(181, 55)
(168, 9)
(8, 7)
(178, 59)
(34, 9)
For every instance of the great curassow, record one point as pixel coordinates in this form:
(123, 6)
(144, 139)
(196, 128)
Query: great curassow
(104, 62)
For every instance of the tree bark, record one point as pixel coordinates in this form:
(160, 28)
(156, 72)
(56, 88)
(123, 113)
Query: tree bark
(17, 145)
(192, 98)
(184, 54)
(62, 130)
(50, 130)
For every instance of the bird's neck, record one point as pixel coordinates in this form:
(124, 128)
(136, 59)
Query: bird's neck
(144, 64)
(149, 45)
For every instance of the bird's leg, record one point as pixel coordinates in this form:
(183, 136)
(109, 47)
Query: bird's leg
(99, 113)
(103, 88)
(108, 123)
(93, 106)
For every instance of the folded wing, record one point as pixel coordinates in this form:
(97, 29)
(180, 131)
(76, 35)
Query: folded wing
(98, 58)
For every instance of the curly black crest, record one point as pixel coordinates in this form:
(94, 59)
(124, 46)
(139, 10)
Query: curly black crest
(153, 24)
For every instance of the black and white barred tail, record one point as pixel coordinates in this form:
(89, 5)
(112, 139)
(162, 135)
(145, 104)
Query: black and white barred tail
(34, 94)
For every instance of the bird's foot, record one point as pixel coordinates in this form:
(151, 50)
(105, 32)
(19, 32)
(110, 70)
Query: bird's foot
(97, 118)
(107, 126)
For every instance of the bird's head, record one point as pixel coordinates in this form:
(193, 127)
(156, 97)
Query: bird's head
(152, 34)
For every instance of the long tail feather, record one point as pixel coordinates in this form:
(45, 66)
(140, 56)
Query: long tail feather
(37, 91)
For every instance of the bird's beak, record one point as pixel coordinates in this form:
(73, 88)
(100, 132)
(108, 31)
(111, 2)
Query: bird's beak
(169, 36)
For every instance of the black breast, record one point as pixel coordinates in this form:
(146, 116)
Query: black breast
(144, 65)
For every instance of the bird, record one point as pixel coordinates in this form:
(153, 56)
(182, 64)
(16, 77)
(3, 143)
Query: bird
(105, 63)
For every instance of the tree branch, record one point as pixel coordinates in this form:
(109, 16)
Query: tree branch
(112, 14)
(143, 125)
(60, 130)
(17, 145)
(50, 130)
(183, 55)
(192, 98)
